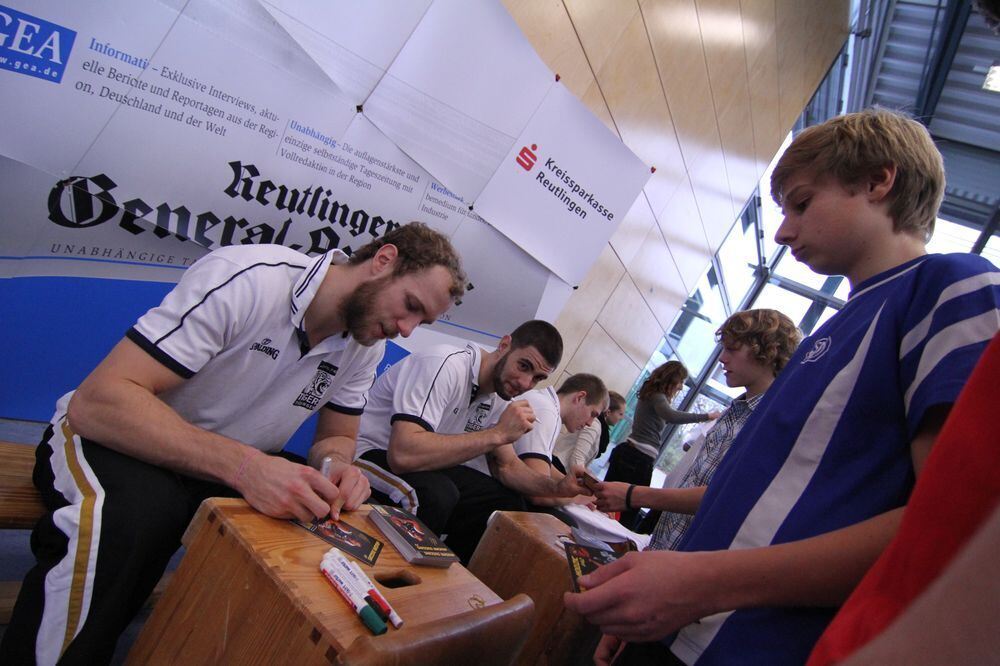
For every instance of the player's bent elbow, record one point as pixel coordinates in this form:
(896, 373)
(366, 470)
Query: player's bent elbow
(80, 411)
(400, 462)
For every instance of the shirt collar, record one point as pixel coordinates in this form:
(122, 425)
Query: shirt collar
(885, 276)
(476, 353)
(747, 403)
(306, 287)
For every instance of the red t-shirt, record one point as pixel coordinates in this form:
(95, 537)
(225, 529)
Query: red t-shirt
(957, 490)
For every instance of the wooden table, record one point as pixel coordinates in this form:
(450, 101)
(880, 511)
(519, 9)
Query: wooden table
(523, 552)
(249, 590)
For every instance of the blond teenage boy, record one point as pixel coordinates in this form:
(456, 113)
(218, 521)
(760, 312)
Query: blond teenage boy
(814, 485)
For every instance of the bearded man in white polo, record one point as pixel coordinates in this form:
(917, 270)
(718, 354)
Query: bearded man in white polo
(251, 342)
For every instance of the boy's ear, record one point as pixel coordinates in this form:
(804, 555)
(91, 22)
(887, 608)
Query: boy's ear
(504, 344)
(881, 182)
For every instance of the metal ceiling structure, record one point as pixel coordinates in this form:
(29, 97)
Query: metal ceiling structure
(930, 59)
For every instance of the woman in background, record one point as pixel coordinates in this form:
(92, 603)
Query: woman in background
(632, 460)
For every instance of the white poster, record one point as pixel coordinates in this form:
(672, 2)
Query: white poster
(460, 92)
(564, 186)
(49, 228)
(140, 134)
(353, 41)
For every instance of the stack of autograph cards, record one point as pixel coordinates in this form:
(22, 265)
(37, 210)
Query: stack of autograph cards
(414, 541)
(585, 559)
(347, 538)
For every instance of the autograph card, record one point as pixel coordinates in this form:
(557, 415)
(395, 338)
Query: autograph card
(590, 482)
(585, 559)
(347, 538)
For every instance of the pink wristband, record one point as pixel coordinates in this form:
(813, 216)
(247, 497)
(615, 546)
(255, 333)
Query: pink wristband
(243, 466)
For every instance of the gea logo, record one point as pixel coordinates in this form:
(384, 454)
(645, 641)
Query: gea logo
(32, 46)
(526, 158)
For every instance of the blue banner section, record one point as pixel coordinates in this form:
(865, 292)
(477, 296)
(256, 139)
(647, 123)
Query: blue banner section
(30, 45)
(56, 330)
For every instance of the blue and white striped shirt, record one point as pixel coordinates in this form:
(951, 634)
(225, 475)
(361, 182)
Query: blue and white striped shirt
(829, 445)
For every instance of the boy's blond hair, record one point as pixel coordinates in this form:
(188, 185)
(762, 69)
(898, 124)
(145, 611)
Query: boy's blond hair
(852, 147)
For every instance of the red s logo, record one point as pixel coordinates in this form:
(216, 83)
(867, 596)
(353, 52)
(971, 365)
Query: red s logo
(526, 158)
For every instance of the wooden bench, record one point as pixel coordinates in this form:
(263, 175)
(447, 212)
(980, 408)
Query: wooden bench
(20, 504)
(20, 508)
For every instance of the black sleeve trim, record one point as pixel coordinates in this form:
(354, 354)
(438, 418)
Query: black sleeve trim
(161, 356)
(410, 418)
(540, 456)
(340, 409)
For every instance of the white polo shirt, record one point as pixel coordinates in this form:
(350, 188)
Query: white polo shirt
(232, 328)
(578, 448)
(435, 388)
(540, 440)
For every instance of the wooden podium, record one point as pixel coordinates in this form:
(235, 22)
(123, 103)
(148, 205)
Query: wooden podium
(249, 590)
(523, 553)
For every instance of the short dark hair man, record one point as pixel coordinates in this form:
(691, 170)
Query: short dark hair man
(583, 446)
(251, 342)
(432, 416)
(572, 408)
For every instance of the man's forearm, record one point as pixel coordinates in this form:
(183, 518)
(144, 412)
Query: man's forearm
(675, 500)
(129, 419)
(418, 450)
(518, 476)
(341, 449)
(586, 447)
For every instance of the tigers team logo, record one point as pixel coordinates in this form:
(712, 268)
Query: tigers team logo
(312, 394)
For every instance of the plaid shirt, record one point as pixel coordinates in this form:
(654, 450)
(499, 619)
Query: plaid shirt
(672, 526)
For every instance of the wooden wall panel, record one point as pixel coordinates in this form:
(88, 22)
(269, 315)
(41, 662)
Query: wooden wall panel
(705, 91)
(600, 25)
(656, 276)
(587, 302)
(635, 97)
(630, 234)
(547, 26)
(762, 68)
(680, 224)
(600, 355)
(727, 70)
(630, 322)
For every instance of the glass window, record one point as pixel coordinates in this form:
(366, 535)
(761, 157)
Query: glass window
(673, 451)
(807, 314)
(697, 345)
(992, 250)
(951, 237)
(738, 259)
(835, 285)
(693, 332)
(770, 214)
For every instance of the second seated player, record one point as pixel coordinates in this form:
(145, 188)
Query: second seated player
(438, 409)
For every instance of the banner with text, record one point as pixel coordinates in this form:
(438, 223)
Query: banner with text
(139, 136)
